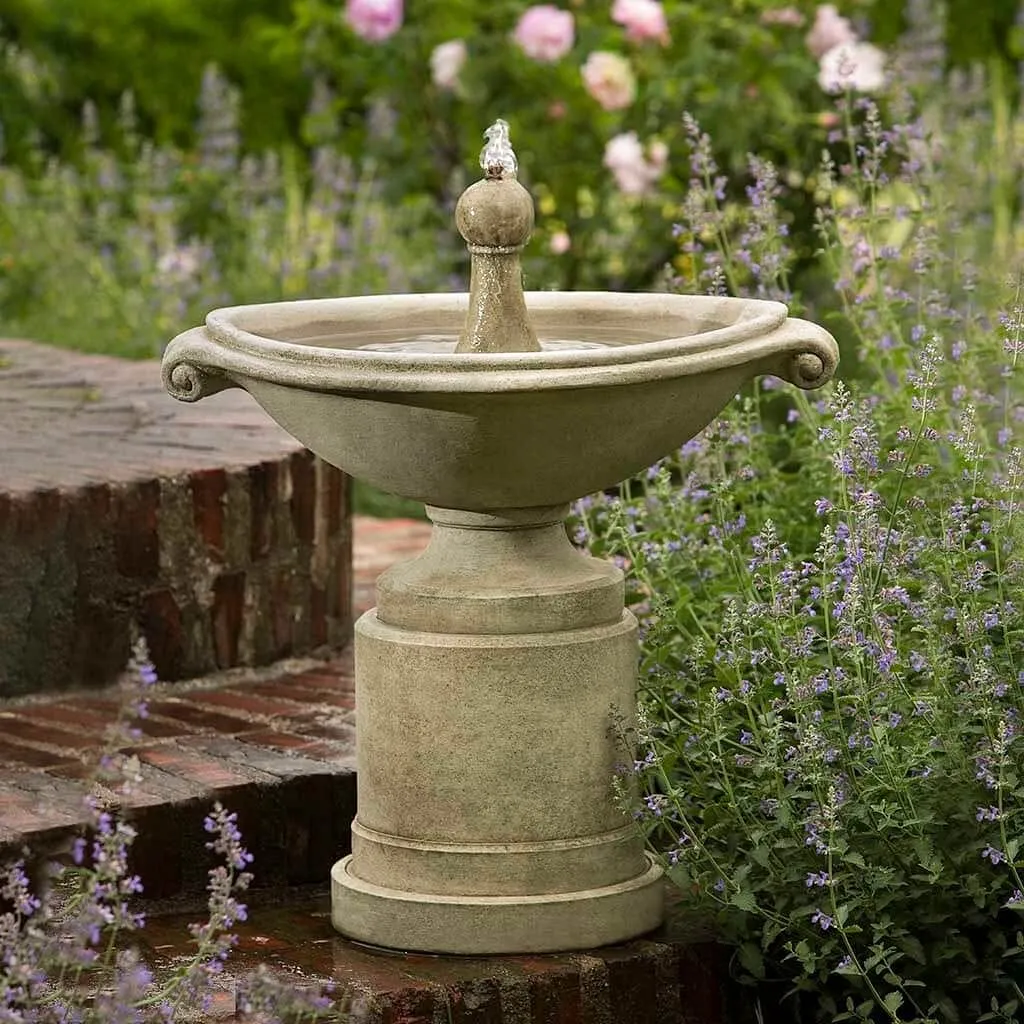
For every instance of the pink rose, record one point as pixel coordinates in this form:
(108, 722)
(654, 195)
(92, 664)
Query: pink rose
(643, 19)
(634, 172)
(560, 243)
(545, 32)
(374, 20)
(446, 63)
(830, 29)
(609, 79)
(856, 66)
(788, 16)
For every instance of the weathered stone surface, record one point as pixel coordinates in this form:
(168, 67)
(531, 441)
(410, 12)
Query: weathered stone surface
(206, 528)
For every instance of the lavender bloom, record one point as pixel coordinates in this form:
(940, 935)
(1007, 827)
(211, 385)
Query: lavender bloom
(822, 920)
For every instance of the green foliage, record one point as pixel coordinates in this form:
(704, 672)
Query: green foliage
(121, 254)
(156, 49)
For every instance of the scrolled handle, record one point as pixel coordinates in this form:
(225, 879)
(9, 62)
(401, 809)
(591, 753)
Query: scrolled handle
(187, 371)
(803, 354)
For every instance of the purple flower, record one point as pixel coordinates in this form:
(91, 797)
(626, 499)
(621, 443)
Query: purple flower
(822, 920)
(746, 738)
(817, 878)
(992, 854)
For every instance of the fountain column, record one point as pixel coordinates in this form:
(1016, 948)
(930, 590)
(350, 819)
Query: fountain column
(494, 680)
(488, 679)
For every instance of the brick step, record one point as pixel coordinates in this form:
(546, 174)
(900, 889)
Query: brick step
(277, 745)
(205, 527)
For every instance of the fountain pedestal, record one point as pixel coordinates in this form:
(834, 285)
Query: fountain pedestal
(488, 682)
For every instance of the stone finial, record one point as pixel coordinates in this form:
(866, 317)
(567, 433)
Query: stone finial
(495, 217)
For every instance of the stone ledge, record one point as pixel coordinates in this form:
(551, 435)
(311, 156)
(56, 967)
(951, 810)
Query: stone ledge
(668, 978)
(206, 528)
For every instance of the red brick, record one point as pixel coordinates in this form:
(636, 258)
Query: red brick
(317, 616)
(67, 714)
(114, 518)
(332, 753)
(282, 615)
(90, 515)
(193, 766)
(44, 511)
(209, 489)
(7, 513)
(16, 728)
(303, 499)
(323, 731)
(160, 622)
(262, 497)
(305, 697)
(199, 717)
(158, 730)
(137, 543)
(337, 498)
(278, 740)
(555, 998)
(245, 702)
(15, 754)
(226, 616)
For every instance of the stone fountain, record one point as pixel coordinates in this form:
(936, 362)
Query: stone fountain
(487, 675)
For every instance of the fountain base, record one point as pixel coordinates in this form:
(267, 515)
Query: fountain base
(495, 683)
(490, 925)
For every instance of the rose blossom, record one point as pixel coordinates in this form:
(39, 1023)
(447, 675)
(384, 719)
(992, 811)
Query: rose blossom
(374, 20)
(545, 32)
(830, 29)
(633, 172)
(643, 19)
(857, 66)
(560, 243)
(446, 62)
(609, 79)
(788, 16)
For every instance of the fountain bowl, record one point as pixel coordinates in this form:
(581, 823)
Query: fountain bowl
(374, 386)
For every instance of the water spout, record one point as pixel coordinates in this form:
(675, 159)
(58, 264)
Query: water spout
(495, 217)
(498, 158)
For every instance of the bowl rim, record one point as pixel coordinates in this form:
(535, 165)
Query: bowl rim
(753, 334)
(753, 317)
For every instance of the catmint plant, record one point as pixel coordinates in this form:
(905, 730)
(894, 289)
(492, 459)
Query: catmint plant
(831, 599)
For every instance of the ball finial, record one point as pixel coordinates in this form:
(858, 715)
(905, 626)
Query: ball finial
(496, 213)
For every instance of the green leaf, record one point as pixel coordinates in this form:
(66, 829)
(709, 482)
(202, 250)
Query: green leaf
(912, 947)
(893, 1001)
(751, 959)
(760, 855)
(744, 899)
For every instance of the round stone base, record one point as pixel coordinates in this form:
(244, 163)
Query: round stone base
(489, 925)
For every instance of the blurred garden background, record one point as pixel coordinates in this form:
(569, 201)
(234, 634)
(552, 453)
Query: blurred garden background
(830, 591)
(162, 157)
